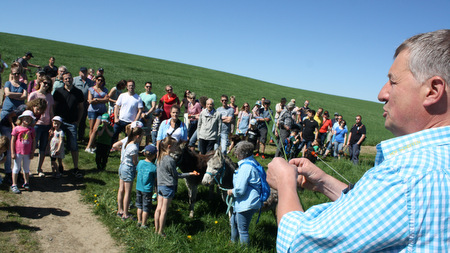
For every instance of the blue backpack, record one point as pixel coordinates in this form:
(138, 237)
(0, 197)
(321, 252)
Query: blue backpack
(265, 188)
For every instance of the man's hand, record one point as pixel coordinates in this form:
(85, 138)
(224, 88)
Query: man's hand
(281, 173)
(309, 175)
(313, 178)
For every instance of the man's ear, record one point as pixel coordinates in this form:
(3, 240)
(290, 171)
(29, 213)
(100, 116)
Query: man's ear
(436, 89)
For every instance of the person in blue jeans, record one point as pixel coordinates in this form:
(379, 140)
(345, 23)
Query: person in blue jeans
(246, 193)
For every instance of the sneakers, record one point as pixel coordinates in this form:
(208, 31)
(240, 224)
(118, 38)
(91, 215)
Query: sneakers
(26, 187)
(15, 189)
(263, 157)
(77, 173)
(154, 196)
(40, 173)
(257, 154)
(90, 150)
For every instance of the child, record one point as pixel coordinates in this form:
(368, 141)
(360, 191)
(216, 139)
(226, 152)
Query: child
(155, 125)
(56, 146)
(104, 134)
(145, 181)
(128, 162)
(291, 144)
(253, 133)
(22, 147)
(4, 145)
(315, 144)
(167, 176)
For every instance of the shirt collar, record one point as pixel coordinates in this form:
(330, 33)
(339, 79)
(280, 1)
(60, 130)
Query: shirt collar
(406, 143)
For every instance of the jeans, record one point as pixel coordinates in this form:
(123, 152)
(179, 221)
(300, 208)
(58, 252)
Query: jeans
(354, 150)
(193, 139)
(240, 223)
(224, 142)
(154, 137)
(338, 147)
(6, 131)
(42, 136)
(70, 130)
(118, 127)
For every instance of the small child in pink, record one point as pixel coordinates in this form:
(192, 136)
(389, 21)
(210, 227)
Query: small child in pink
(22, 148)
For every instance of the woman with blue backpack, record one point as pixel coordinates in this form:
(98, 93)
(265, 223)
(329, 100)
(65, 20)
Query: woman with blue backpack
(249, 191)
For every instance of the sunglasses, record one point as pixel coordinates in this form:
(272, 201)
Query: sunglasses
(169, 90)
(224, 100)
(148, 86)
(16, 74)
(46, 83)
(101, 80)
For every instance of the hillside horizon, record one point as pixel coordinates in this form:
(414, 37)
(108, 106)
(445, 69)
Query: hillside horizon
(201, 80)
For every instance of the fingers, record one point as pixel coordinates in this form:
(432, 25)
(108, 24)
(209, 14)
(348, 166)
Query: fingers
(281, 172)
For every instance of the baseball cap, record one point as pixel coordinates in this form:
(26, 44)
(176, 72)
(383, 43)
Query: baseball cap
(157, 111)
(258, 102)
(105, 117)
(150, 148)
(101, 69)
(253, 122)
(29, 54)
(291, 105)
(27, 113)
(83, 69)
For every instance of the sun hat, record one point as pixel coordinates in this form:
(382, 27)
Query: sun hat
(27, 113)
(57, 118)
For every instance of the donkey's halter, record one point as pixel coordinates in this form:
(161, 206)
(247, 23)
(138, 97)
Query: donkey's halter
(218, 176)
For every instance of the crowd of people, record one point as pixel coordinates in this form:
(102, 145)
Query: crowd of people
(409, 214)
(50, 113)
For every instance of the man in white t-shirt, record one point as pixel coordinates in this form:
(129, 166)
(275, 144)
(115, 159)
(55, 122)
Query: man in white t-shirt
(128, 108)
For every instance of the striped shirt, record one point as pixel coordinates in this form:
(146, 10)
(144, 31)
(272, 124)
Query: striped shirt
(400, 205)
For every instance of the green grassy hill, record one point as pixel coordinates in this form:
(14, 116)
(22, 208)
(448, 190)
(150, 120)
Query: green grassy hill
(204, 82)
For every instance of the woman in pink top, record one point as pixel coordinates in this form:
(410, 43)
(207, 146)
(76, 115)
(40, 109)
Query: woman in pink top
(43, 124)
(194, 110)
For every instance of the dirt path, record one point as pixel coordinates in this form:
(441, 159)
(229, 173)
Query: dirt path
(64, 223)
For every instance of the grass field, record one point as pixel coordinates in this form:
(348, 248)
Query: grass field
(209, 230)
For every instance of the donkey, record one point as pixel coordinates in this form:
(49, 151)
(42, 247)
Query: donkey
(189, 161)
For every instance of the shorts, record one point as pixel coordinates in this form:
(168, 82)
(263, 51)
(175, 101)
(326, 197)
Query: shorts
(167, 192)
(263, 135)
(144, 201)
(94, 115)
(127, 173)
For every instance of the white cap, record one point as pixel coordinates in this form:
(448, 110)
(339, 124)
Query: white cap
(137, 124)
(27, 113)
(57, 118)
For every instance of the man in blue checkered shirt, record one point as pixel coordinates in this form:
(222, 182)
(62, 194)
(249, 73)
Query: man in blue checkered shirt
(403, 203)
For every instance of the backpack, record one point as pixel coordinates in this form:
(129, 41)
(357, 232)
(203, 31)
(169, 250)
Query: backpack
(265, 188)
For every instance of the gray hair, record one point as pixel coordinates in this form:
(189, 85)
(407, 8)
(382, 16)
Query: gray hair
(429, 55)
(63, 68)
(210, 99)
(244, 149)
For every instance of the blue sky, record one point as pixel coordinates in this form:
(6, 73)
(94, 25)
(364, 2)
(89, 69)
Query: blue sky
(342, 48)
